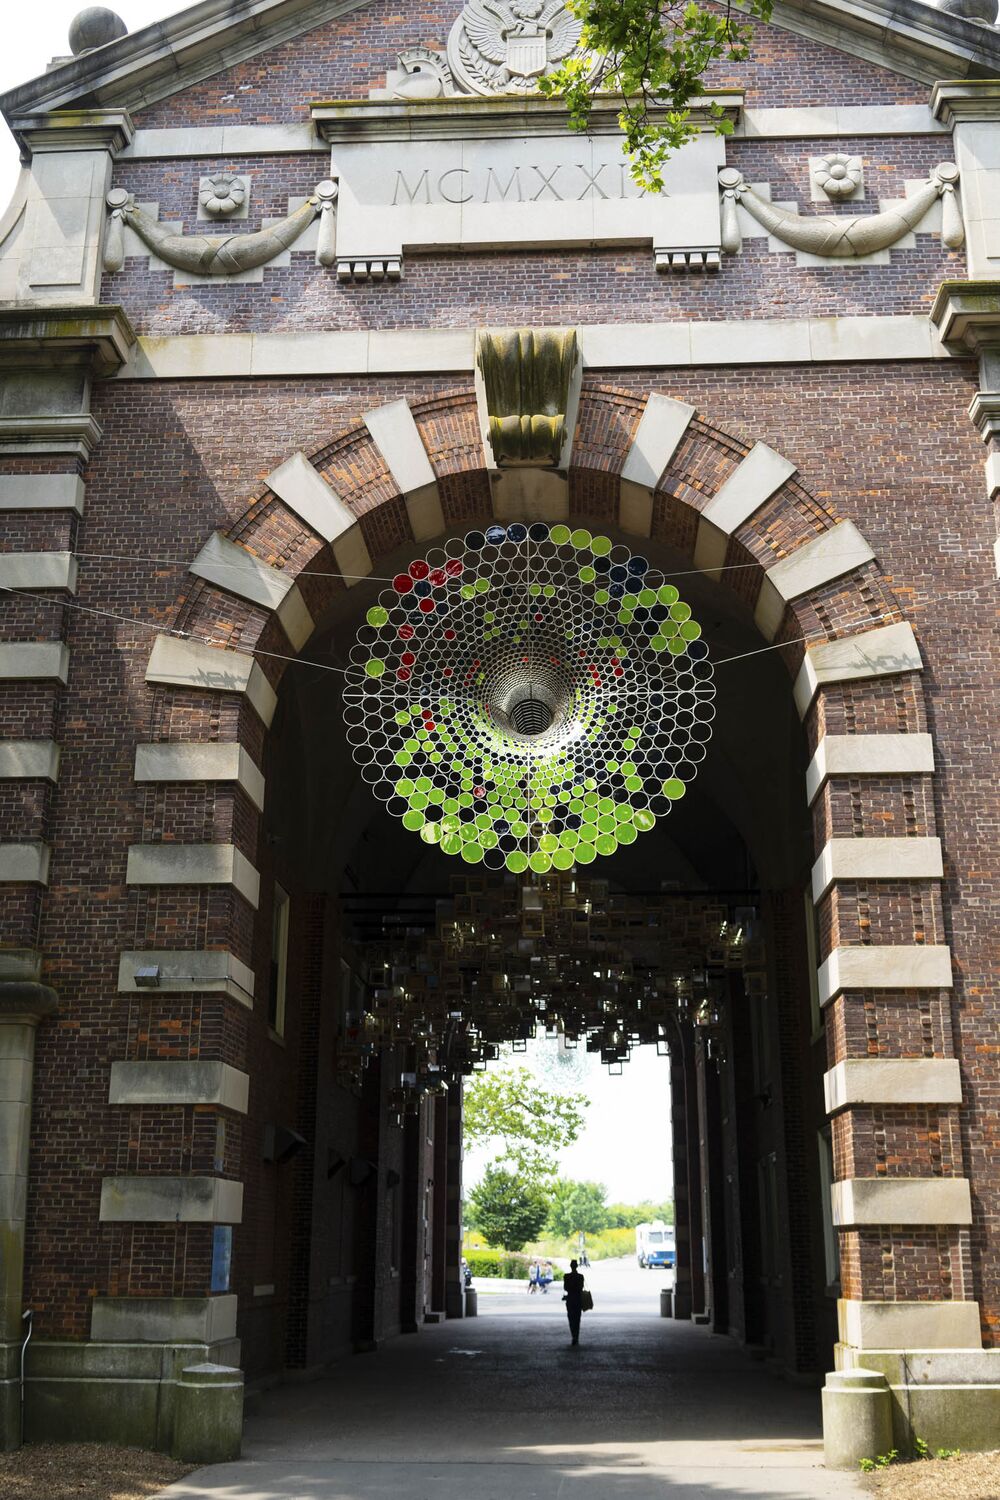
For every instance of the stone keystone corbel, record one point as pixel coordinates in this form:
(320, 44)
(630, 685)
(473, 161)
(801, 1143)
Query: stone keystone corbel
(214, 256)
(528, 378)
(841, 236)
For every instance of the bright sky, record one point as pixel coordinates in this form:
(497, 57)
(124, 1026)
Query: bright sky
(626, 1142)
(32, 37)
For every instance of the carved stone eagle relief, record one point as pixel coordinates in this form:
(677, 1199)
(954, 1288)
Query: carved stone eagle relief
(504, 46)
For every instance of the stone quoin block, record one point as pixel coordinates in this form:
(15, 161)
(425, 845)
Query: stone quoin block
(195, 664)
(29, 760)
(909, 1325)
(171, 1200)
(860, 1201)
(38, 661)
(876, 859)
(887, 967)
(170, 761)
(38, 570)
(163, 1320)
(869, 755)
(193, 864)
(185, 971)
(892, 1080)
(42, 492)
(174, 1081)
(883, 652)
(27, 862)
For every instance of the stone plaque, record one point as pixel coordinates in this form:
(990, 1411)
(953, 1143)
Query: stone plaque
(533, 190)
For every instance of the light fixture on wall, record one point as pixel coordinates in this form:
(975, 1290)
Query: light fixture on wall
(147, 978)
(281, 1143)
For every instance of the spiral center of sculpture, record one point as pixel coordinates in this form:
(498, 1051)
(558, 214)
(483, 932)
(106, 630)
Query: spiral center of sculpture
(530, 716)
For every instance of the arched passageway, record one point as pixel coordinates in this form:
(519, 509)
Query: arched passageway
(349, 1146)
(760, 561)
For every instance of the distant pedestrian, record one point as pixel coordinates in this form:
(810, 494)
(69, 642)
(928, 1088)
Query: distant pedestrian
(573, 1298)
(534, 1272)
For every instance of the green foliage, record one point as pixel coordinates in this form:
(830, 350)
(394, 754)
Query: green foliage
(498, 1264)
(610, 1244)
(576, 1206)
(922, 1449)
(628, 1215)
(869, 1465)
(509, 1208)
(653, 55)
(530, 1123)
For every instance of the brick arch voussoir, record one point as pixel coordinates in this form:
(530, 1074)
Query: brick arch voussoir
(691, 466)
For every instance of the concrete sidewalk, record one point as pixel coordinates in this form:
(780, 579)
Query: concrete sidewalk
(503, 1408)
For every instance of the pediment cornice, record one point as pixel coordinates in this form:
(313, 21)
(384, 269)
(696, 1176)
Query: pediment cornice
(906, 36)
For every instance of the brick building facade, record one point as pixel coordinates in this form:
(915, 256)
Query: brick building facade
(198, 474)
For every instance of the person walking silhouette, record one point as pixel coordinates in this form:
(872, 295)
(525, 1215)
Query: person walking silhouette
(573, 1298)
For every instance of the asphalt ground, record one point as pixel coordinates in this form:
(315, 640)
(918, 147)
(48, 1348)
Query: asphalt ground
(502, 1407)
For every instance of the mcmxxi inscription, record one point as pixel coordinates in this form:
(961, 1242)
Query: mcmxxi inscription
(566, 182)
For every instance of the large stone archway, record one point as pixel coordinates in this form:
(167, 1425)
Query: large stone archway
(743, 516)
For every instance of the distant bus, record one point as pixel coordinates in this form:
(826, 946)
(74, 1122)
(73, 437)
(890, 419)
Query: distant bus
(655, 1245)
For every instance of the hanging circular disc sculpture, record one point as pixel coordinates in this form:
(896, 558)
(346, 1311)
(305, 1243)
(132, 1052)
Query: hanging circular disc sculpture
(529, 697)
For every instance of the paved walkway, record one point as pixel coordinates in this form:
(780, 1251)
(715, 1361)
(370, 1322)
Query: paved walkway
(503, 1408)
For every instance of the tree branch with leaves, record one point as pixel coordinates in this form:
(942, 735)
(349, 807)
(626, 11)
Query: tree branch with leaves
(652, 55)
(530, 1124)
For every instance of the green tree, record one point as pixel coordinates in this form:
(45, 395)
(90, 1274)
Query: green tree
(653, 56)
(509, 1209)
(529, 1124)
(628, 1215)
(578, 1205)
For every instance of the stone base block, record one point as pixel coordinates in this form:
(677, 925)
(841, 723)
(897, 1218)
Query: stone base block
(208, 1416)
(111, 1393)
(857, 1417)
(158, 1320)
(10, 1415)
(948, 1398)
(682, 1303)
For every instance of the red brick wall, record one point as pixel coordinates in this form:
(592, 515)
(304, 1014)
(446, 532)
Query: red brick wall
(347, 57)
